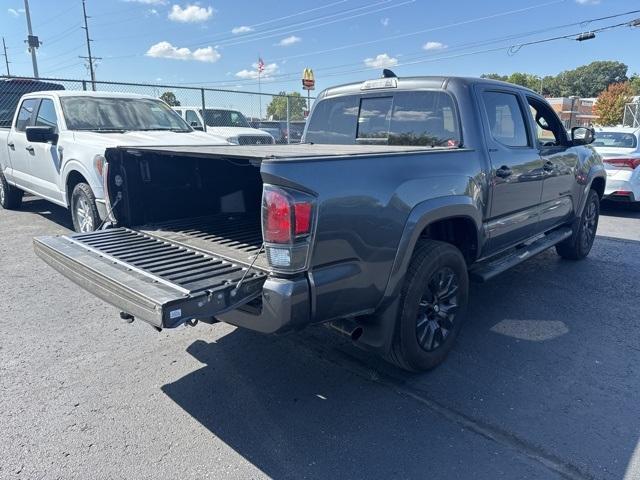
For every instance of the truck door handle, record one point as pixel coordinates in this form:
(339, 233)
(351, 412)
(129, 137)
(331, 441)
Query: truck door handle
(548, 166)
(29, 149)
(503, 172)
(12, 145)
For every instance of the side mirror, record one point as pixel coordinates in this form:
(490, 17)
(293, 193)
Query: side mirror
(582, 135)
(197, 126)
(42, 135)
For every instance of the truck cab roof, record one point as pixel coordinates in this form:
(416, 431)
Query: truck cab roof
(411, 83)
(84, 93)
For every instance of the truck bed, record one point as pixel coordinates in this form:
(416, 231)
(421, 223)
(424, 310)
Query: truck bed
(235, 237)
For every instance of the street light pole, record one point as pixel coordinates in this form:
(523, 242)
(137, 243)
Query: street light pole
(32, 40)
(573, 101)
(6, 58)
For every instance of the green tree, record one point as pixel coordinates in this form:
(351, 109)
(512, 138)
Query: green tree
(277, 109)
(170, 99)
(635, 83)
(495, 76)
(592, 79)
(585, 81)
(611, 102)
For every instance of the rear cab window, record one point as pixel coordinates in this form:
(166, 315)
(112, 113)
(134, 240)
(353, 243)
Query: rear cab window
(416, 118)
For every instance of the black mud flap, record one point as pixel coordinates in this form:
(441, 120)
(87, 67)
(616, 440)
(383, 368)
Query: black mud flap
(153, 280)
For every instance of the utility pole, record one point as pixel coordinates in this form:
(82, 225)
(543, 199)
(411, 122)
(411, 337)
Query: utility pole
(32, 40)
(6, 58)
(89, 58)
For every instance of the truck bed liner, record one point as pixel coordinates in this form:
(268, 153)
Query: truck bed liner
(236, 237)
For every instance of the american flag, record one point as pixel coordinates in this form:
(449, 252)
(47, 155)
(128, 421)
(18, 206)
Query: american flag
(260, 65)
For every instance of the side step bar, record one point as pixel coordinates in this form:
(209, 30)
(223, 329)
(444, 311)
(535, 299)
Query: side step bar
(488, 269)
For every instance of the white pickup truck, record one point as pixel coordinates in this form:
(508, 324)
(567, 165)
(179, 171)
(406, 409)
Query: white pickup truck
(231, 125)
(55, 146)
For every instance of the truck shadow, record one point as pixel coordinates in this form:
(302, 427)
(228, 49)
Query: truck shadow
(531, 363)
(617, 209)
(47, 210)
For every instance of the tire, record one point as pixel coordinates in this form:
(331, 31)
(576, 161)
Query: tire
(10, 196)
(83, 209)
(578, 245)
(427, 326)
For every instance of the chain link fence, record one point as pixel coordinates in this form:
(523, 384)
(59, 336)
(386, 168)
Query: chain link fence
(283, 116)
(632, 114)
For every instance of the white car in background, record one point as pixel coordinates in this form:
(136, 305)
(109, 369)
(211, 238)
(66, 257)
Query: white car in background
(55, 146)
(619, 148)
(228, 124)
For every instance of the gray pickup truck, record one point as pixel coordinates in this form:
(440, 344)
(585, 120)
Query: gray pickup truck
(403, 191)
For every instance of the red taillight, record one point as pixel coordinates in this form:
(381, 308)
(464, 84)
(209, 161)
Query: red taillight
(277, 217)
(631, 163)
(287, 228)
(303, 218)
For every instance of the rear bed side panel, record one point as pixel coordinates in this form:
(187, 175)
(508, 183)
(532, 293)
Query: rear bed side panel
(363, 208)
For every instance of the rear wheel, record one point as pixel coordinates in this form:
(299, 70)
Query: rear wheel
(578, 245)
(433, 305)
(83, 209)
(10, 196)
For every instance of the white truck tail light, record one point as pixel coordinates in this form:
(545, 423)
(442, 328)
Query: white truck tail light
(287, 227)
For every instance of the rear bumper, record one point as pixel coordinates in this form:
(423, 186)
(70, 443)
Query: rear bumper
(621, 191)
(284, 306)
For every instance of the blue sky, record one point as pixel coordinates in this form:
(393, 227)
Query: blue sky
(218, 42)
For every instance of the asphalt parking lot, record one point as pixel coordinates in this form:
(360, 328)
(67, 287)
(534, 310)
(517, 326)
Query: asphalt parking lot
(543, 383)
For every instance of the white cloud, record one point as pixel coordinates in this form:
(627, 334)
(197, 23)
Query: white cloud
(288, 41)
(154, 12)
(381, 61)
(588, 2)
(190, 13)
(385, 22)
(14, 12)
(434, 46)
(166, 50)
(241, 29)
(269, 70)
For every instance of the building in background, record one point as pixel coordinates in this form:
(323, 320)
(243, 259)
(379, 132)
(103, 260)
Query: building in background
(574, 111)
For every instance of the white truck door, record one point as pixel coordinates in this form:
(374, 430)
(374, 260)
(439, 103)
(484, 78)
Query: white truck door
(17, 143)
(45, 165)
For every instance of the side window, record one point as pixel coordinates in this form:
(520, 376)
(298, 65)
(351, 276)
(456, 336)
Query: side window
(375, 117)
(549, 130)
(47, 114)
(25, 114)
(506, 119)
(424, 118)
(192, 117)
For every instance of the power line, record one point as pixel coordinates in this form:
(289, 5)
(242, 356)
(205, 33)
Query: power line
(317, 22)
(429, 58)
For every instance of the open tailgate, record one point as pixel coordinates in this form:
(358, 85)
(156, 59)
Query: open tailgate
(154, 280)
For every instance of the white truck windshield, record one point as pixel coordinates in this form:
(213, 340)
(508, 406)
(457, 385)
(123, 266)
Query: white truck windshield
(225, 118)
(120, 114)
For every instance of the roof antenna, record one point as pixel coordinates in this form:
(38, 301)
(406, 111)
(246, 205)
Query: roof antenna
(386, 73)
